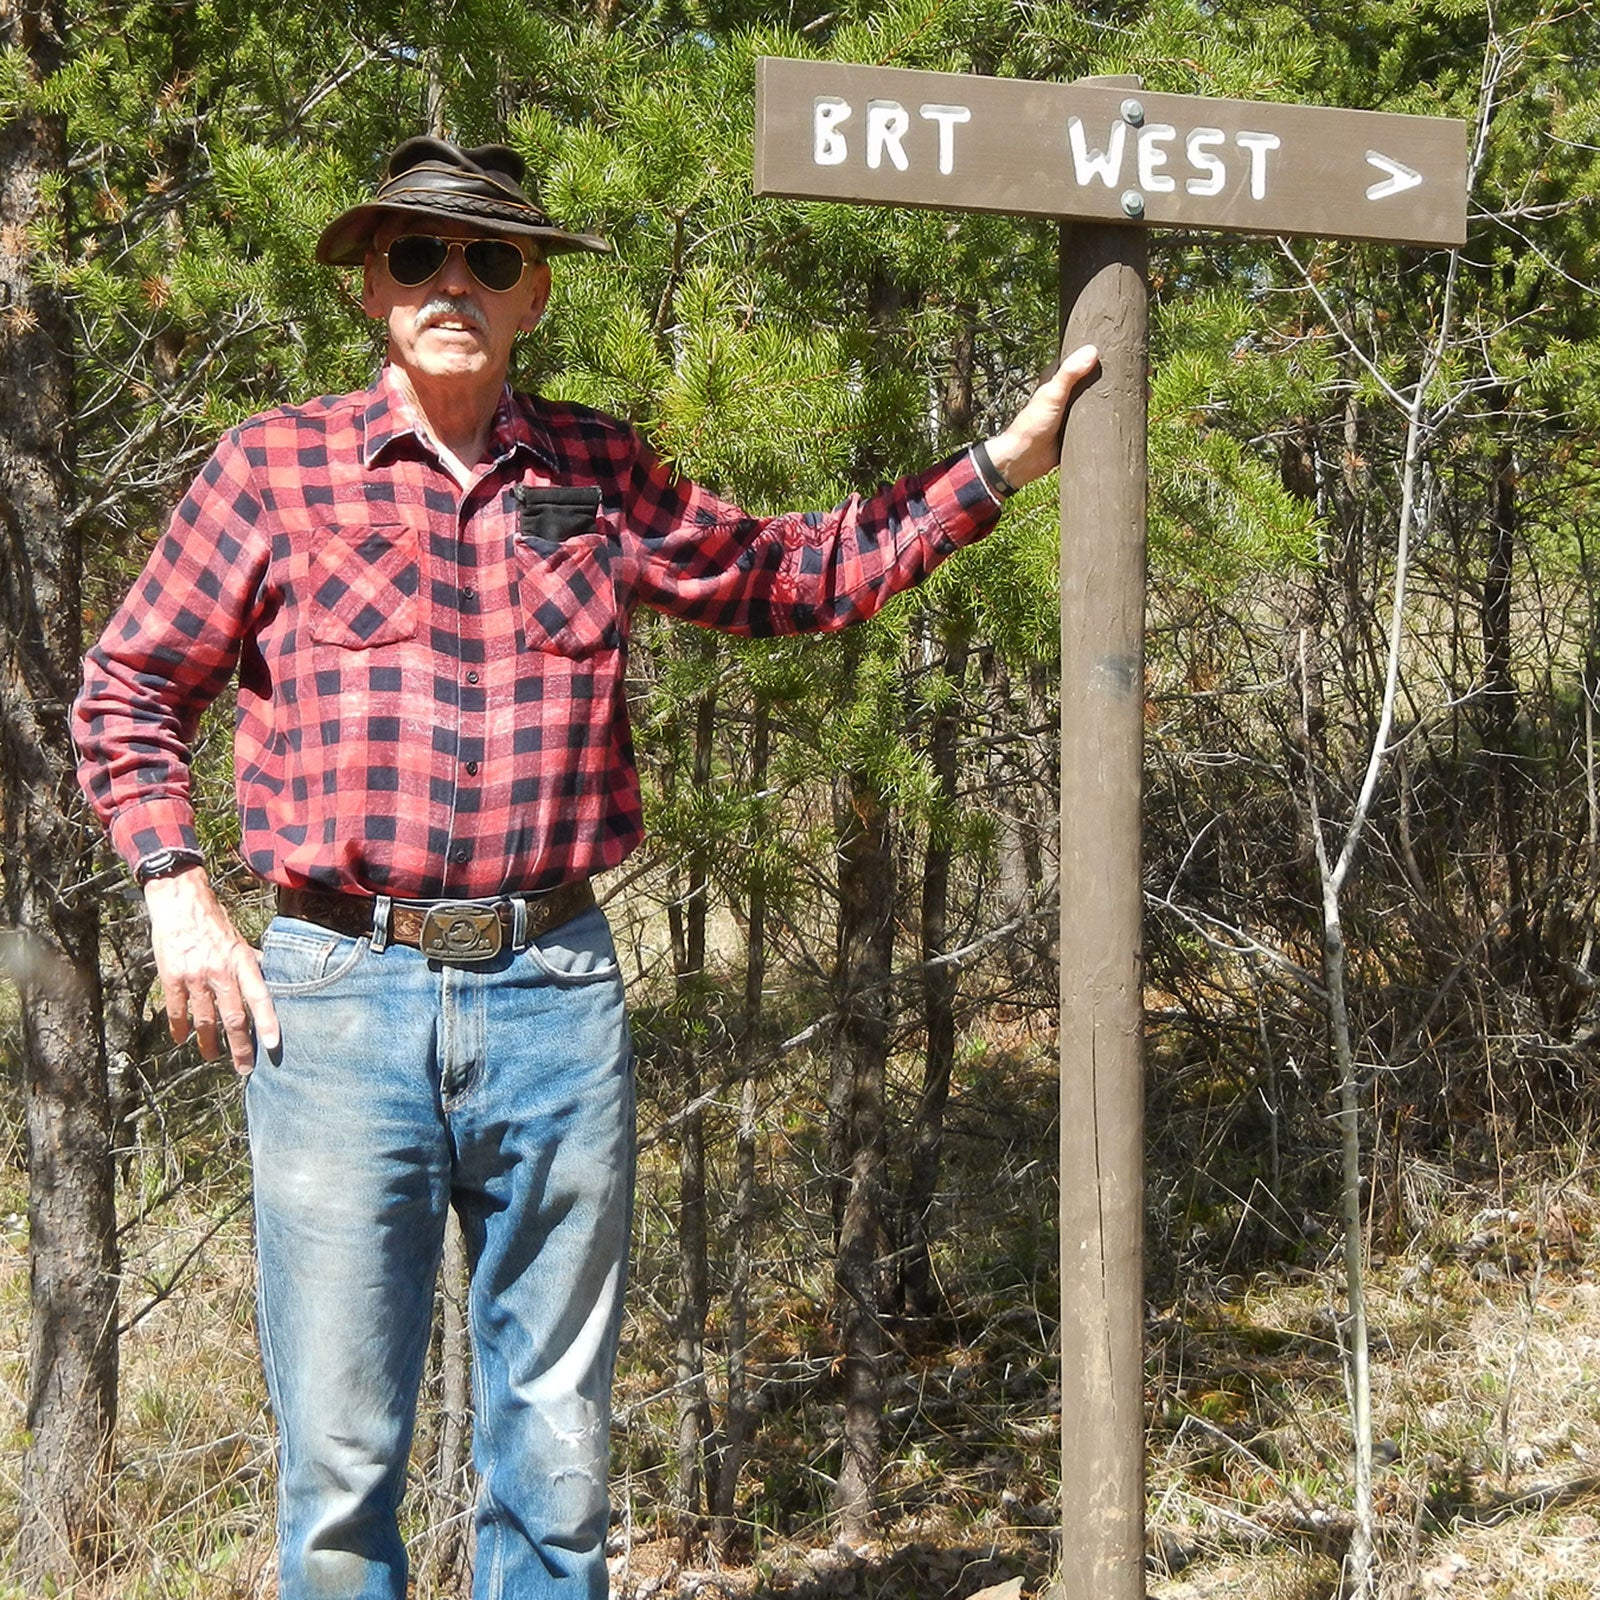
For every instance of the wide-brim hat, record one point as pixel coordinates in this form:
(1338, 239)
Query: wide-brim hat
(435, 181)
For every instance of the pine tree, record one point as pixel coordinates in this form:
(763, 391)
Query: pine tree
(52, 924)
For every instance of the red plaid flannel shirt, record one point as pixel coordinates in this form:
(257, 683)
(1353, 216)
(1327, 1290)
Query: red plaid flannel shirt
(431, 683)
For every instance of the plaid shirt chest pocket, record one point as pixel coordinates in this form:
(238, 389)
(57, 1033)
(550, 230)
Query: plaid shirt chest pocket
(363, 584)
(563, 560)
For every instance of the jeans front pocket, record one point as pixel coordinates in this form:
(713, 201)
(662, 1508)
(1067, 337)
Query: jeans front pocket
(580, 951)
(301, 958)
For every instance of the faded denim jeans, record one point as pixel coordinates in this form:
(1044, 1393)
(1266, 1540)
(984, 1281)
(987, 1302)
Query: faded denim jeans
(404, 1086)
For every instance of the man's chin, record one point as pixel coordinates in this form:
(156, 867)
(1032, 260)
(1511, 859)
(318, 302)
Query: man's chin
(443, 358)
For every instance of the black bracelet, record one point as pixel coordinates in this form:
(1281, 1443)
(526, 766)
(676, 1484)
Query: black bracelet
(1002, 486)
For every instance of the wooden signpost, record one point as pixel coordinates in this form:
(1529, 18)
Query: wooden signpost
(1101, 153)
(1109, 162)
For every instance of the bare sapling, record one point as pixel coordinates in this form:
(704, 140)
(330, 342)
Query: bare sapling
(1425, 408)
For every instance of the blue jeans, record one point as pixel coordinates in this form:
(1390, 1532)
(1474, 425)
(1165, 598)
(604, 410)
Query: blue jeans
(404, 1086)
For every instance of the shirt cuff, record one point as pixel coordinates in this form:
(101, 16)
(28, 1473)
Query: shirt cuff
(138, 831)
(963, 504)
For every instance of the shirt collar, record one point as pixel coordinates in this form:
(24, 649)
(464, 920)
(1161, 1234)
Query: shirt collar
(390, 417)
(517, 427)
(386, 419)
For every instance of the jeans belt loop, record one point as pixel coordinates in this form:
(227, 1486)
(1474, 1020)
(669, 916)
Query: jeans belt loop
(519, 922)
(381, 908)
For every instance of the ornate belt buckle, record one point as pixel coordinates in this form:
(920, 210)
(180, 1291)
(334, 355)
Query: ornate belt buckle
(456, 931)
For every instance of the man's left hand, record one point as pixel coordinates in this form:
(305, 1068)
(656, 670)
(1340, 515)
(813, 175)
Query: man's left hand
(1031, 446)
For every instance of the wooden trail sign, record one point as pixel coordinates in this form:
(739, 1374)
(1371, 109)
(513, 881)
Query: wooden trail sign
(1110, 162)
(829, 131)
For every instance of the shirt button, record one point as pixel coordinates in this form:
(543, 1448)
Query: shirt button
(468, 596)
(472, 769)
(472, 677)
(459, 853)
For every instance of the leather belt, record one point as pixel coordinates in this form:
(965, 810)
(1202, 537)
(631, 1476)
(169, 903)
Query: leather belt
(448, 930)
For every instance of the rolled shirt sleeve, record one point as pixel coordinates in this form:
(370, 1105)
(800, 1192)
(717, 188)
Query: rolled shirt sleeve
(703, 560)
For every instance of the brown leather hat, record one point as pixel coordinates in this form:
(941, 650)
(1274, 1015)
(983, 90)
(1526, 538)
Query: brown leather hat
(439, 182)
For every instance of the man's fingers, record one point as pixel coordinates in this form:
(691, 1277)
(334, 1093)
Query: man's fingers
(233, 1022)
(241, 1042)
(203, 1010)
(226, 1008)
(209, 974)
(177, 1010)
(1064, 381)
(263, 1016)
(246, 1009)
(1031, 446)
(254, 989)
(1074, 369)
(1079, 364)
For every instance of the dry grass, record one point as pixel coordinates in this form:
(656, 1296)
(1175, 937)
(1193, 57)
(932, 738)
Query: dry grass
(1486, 1337)
(1486, 1399)
(191, 1510)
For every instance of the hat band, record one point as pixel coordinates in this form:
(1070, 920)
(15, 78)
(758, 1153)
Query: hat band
(425, 185)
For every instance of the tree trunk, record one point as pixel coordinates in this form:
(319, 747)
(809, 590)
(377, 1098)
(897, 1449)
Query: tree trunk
(956, 406)
(736, 1417)
(862, 1272)
(693, 1401)
(919, 1293)
(52, 944)
(1500, 698)
(1015, 860)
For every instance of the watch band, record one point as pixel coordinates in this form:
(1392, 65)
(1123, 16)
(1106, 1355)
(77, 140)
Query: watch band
(998, 483)
(165, 863)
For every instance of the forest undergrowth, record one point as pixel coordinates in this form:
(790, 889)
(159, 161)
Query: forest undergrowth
(1484, 1309)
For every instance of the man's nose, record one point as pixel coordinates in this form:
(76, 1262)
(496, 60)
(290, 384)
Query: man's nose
(454, 277)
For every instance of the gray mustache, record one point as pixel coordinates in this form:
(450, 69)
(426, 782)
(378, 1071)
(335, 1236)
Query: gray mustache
(442, 306)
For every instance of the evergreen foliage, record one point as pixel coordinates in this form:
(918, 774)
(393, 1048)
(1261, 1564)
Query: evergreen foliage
(791, 355)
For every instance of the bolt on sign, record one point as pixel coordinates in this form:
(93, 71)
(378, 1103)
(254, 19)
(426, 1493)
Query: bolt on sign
(829, 131)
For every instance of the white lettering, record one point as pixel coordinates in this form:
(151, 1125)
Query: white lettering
(1106, 164)
(1198, 146)
(947, 117)
(1152, 157)
(887, 121)
(1258, 144)
(828, 147)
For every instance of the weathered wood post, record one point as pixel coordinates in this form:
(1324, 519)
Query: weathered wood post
(1104, 300)
(1117, 161)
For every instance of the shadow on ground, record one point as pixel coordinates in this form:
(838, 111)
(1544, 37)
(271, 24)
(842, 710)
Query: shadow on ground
(916, 1571)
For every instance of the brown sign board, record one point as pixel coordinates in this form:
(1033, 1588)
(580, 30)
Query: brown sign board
(831, 131)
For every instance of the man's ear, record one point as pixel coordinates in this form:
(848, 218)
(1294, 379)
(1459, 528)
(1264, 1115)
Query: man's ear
(369, 286)
(541, 297)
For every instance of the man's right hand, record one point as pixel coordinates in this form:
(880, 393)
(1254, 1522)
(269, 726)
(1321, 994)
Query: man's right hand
(211, 978)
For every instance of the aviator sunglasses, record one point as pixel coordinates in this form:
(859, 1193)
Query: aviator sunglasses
(414, 258)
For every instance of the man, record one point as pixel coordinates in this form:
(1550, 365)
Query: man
(425, 590)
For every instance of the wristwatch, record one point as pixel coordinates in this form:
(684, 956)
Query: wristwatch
(165, 864)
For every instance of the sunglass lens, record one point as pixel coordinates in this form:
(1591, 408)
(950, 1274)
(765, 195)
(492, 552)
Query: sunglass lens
(416, 257)
(495, 263)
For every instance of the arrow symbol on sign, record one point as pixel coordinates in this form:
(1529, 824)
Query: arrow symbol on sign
(1401, 177)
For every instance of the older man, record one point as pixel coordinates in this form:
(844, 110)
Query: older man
(425, 590)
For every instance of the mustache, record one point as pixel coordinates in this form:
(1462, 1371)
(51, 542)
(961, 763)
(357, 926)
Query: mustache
(441, 307)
